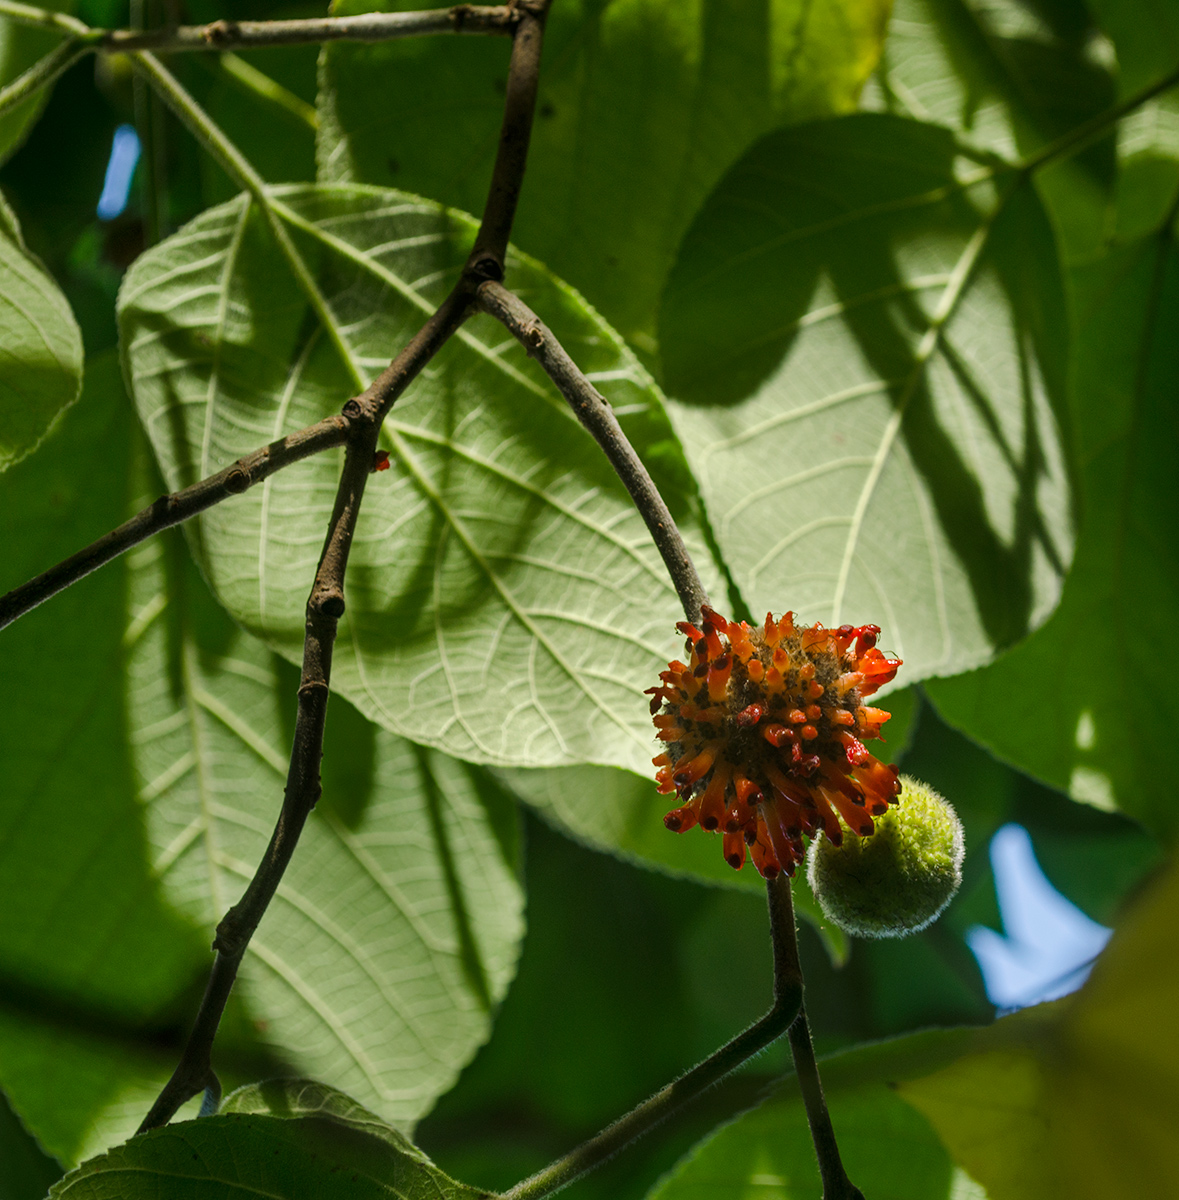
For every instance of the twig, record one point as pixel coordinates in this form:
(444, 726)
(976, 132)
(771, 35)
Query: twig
(172, 509)
(42, 73)
(640, 1120)
(836, 1185)
(246, 35)
(325, 605)
(507, 177)
(364, 27)
(596, 415)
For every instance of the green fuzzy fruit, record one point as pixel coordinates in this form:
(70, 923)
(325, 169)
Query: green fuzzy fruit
(897, 880)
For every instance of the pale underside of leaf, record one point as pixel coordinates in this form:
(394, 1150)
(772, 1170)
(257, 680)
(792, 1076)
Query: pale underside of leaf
(357, 970)
(504, 600)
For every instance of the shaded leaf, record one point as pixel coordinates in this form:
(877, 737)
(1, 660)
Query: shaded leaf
(865, 337)
(391, 935)
(90, 954)
(40, 347)
(505, 602)
(26, 1171)
(286, 1141)
(643, 105)
(20, 47)
(1086, 1108)
(1099, 736)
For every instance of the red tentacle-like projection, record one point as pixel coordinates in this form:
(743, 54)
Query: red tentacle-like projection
(765, 731)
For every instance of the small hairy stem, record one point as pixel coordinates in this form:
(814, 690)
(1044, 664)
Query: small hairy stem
(42, 73)
(173, 509)
(592, 410)
(836, 1185)
(785, 1009)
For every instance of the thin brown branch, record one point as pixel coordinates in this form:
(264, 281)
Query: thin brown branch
(363, 27)
(593, 411)
(640, 1120)
(325, 606)
(172, 509)
(507, 177)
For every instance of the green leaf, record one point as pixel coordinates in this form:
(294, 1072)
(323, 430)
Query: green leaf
(643, 105)
(1085, 1108)
(288, 1141)
(1099, 736)
(415, 855)
(90, 954)
(26, 1171)
(1009, 78)
(40, 347)
(865, 338)
(890, 1152)
(505, 602)
(145, 745)
(20, 47)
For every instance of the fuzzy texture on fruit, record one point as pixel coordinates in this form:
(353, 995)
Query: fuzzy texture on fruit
(900, 879)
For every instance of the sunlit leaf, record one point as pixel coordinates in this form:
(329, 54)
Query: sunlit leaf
(1008, 78)
(287, 1141)
(40, 347)
(1099, 736)
(865, 337)
(643, 105)
(505, 602)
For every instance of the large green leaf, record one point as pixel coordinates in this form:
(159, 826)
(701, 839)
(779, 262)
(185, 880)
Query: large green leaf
(287, 1141)
(397, 925)
(505, 602)
(1085, 1110)
(643, 105)
(40, 347)
(90, 954)
(1008, 77)
(1098, 736)
(890, 1152)
(865, 337)
(145, 744)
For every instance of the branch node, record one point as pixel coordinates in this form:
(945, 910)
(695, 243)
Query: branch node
(229, 940)
(238, 480)
(352, 409)
(221, 33)
(485, 268)
(329, 604)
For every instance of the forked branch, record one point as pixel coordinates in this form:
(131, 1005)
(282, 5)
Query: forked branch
(363, 416)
